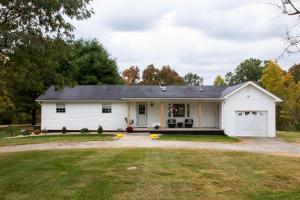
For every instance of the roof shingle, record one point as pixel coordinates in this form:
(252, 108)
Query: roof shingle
(119, 92)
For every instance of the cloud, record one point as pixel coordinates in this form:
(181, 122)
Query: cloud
(203, 37)
(232, 20)
(131, 15)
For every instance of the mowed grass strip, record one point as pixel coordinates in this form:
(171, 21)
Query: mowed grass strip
(204, 138)
(56, 138)
(159, 174)
(288, 136)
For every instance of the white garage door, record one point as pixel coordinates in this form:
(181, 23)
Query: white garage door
(251, 123)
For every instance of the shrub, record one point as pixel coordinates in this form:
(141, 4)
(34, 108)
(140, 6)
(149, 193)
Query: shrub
(64, 129)
(26, 132)
(84, 130)
(12, 131)
(129, 129)
(100, 130)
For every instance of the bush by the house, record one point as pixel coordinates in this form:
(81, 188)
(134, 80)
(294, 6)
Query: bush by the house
(129, 129)
(64, 129)
(84, 130)
(100, 130)
(26, 132)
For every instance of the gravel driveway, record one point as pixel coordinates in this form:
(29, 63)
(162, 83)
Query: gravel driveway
(263, 145)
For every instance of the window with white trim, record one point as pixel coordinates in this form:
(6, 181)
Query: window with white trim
(60, 108)
(106, 108)
(179, 110)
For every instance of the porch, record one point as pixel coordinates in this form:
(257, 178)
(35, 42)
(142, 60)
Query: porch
(202, 116)
(190, 131)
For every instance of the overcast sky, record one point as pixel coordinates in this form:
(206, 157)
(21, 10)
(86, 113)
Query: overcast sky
(204, 37)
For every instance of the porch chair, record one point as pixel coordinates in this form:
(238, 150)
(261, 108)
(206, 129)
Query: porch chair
(188, 123)
(171, 123)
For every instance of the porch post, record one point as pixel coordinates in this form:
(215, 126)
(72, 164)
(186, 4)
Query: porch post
(199, 115)
(128, 114)
(162, 116)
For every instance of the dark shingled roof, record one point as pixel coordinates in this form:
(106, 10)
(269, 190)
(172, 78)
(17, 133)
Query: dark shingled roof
(118, 92)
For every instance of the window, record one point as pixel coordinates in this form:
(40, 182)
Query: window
(142, 109)
(60, 108)
(178, 110)
(106, 108)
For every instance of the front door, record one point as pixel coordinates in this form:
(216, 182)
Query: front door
(142, 115)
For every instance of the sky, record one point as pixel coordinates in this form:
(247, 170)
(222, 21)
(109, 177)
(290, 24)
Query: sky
(208, 38)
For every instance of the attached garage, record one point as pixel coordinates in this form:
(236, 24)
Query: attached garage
(249, 111)
(251, 123)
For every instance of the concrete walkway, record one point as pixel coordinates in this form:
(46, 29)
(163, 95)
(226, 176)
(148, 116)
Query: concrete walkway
(270, 146)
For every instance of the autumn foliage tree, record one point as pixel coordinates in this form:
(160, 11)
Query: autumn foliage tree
(150, 76)
(295, 72)
(131, 75)
(282, 84)
(169, 76)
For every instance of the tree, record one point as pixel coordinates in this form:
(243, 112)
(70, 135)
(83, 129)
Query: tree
(295, 72)
(193, 79)
(292, 38)
(31, 35)
(131, 75)
(35, 68)
(283, 85)
(92, 63)
(273, 79)
(28, 20)
(150, 76)
(169, 76)
(5, 100)
(249, 70)
(219, 81)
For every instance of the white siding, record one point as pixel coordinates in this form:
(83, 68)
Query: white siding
(83, 115)
(153, 113)
(89, 115)
(210, 115)
(248, 99)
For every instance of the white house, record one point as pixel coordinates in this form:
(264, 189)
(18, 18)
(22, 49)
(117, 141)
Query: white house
(240, 110)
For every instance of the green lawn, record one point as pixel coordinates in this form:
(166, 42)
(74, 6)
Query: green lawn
(206, 138)
(289, 136)
(55, 138)
(160, 174)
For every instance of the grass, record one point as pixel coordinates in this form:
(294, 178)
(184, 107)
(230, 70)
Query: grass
(206, 138)
(159, 174)
(289, 136)
(4, 133)
(55, 138)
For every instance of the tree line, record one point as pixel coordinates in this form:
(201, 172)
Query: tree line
(155, 76)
